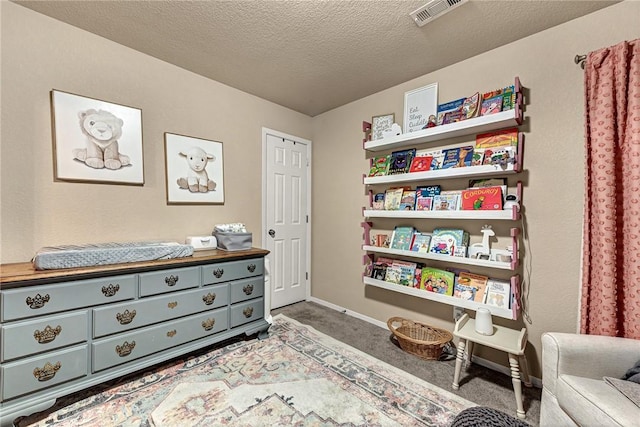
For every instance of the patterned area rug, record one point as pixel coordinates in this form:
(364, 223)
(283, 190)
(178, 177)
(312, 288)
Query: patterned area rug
(296, 377)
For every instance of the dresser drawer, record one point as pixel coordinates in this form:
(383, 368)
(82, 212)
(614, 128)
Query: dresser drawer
(246, 289)
(39, 300)
(225, 271)
(164, 281)
(131, 315)
(45, 371)
(47, 333)
(247, 312)
(125, 347)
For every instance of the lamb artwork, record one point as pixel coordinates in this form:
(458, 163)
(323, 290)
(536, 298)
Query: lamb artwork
(197, 179)
(101, 129)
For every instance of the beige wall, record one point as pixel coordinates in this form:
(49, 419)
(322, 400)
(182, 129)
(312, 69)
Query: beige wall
(553, 177)
(40, 54)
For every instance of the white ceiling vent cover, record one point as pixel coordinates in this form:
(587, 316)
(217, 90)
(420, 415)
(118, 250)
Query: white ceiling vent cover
(434, 9)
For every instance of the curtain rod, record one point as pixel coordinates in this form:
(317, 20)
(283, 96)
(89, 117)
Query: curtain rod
(580, 60)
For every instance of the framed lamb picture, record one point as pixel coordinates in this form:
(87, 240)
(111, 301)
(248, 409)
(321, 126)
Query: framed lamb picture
(194, 170)
(419, 104)
(96, 141)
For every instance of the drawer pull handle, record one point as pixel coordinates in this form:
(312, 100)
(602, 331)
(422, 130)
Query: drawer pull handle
(38, 301)
(209, 298)
(171, 280)
(208, 324)
(172, 304)
(218, 272)
(248, 312)
(251, 268)
(125, 349)
(171, 334)
(109, 291)
(47, 372)
(47, 335)
(248, 289)
(126, 317)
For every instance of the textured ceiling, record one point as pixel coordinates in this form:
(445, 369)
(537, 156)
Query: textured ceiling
(311, 56)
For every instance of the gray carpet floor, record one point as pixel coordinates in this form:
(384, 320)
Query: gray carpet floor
(478, 384)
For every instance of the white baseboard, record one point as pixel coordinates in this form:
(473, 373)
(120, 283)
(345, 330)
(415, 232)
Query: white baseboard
(537, 382)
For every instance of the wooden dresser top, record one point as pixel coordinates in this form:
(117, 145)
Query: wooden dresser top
(24, 273)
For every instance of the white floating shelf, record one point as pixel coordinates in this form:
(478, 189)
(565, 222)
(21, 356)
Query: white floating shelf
(445, 258)
(445, 299)
(469, 171)
(508, 214)
(465, 127)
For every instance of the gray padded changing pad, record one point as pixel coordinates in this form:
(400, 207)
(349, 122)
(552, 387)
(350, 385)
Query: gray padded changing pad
(71, 256)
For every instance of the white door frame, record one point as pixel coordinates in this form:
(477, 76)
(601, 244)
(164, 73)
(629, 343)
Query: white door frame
(265, 234)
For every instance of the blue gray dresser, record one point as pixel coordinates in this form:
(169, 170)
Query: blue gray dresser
(66, 330)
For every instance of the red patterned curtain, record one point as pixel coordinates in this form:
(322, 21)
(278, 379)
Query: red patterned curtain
(610, 302)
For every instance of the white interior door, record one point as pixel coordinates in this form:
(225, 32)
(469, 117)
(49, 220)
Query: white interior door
(286, 216)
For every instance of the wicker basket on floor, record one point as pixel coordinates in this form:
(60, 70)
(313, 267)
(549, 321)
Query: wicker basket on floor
(418, 338)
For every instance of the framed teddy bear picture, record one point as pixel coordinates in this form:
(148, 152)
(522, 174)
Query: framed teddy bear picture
(194, 170)
(96, 141)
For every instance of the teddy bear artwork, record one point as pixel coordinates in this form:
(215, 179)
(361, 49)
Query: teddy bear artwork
(197, 180)
(101, 130)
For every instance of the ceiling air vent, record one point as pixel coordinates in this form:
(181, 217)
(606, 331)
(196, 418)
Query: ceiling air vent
(434, 9)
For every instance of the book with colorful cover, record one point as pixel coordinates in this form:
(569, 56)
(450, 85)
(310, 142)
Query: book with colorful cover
(446, 201)
(457, 157)
(421, 164)
(490, 182)
(408, 201)
(491, 105)
(392, 198)
(478, 157)
(379, 268)
(424, 197)
(406, 272)
(379, 166)
(445, 240)
(401, 238)
(378, 201)
(437, 280)
(447, 107)
(421, 242)
(498, 138)
(400, 161)
(477, 282)
(504, 157)
(471, 106)
(463, 291)
(483, 199)
(498, 293)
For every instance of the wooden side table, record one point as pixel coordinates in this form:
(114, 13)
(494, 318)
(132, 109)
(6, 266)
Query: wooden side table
(505, 339)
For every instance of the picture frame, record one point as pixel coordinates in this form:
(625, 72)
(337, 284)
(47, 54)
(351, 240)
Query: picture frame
(419, 104)
(381, 123)
(194, 170)
(96, 141)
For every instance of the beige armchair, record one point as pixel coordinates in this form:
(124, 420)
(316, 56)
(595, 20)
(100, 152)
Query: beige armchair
(574, 392)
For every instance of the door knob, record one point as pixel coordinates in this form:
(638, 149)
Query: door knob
(272, 232)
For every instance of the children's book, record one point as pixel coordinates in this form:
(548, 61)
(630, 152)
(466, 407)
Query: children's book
(463, 291)
(392, 198)
(508, 98)
(498, 293)
(408, 201)
(437, 280)
(490, 182)
(401, 238)
(406, 272)
(417, 278)
(471, 106)
(421, 164)
(476, 282)
(378, 201)
(400, 161)
(446, 201)
(478, 157)
(498, 138)
(382, 240)
(421, 242)
(448, 107)
(379, 166)
(484, 199)
(424, 197)
(379, 268)
(457, 157)
(393, 274)
(444, 241)
(504, 157)
(491, 105)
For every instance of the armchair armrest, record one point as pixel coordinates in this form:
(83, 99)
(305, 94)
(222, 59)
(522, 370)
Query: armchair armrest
(590, 356)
